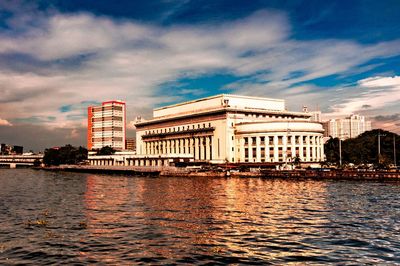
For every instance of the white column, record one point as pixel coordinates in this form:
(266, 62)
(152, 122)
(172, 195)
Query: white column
(276, 152)
(201, 142)
(267, 158)
(258, 149)
(314, 152)
(241, 143)
(301, 149)
(250, 149)
(308, 145)
(196, 148)
(284, 149)
(208, 148)
(186, 146)
(191, 145)
(322, 149)
(212, 148)
(293, 145)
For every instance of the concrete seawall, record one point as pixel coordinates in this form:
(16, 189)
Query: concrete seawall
(184, 172)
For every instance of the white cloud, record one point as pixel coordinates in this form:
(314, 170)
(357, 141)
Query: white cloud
(87, 58)
(375, 93)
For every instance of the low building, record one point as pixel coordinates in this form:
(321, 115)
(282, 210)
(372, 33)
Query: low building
(231, 128)
(130, 158)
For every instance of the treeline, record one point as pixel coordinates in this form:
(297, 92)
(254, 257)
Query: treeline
(67, 154)
(364, 149)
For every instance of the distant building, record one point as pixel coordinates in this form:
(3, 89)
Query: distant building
(344, 128)
(231, 128)
(107, 125)
(130, 144)
(316, 116)
(11, 149)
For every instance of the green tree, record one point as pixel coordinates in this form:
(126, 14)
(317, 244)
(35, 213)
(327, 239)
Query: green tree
(106, 150)
(364, 149)
(67, 154)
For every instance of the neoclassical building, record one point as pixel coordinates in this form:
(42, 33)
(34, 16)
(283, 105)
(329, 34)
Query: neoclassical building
(231, 128)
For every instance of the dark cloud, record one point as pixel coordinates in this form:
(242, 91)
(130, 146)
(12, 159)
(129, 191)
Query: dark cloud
(366, 106)
(387, 117)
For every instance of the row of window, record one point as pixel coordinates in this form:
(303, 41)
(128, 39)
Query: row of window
(178, 129)
(269, 116)
(281, 153)
(199, 151)
(270, 140)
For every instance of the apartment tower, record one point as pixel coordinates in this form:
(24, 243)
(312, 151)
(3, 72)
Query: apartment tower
(107, 125)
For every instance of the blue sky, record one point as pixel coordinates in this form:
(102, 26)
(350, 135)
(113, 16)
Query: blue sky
(57, 57)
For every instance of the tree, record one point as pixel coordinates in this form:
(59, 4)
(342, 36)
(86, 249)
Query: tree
(67, 154)
(106, 150)
(364, 149)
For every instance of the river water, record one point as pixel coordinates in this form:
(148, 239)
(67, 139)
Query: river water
(72, 218)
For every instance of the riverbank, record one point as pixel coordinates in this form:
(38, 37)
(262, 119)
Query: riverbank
(318, 174)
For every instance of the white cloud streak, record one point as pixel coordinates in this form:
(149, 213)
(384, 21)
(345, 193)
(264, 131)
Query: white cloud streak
(96, 58)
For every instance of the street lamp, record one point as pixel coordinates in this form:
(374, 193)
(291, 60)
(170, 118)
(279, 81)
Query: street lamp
(340, 148)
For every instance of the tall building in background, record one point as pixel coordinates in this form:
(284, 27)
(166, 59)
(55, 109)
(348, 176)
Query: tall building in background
(130, 144)
(349, 127)
(107, 125)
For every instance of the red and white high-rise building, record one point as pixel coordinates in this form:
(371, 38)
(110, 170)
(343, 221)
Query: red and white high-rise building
(107, 125)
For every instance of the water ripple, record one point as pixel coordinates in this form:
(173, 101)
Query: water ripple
(65, 218)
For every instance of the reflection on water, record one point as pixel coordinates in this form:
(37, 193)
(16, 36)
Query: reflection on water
(130, 220)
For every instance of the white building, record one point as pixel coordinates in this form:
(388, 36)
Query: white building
(349, 127)
(107, 125)
(231, 128)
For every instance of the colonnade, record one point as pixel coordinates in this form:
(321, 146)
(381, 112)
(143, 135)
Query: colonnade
(280, 148)
(200, 147)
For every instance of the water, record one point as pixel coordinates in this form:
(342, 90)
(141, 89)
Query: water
(70, 218)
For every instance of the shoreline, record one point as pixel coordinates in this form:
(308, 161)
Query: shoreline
(333, 174)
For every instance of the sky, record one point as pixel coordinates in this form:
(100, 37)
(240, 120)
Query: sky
(59, 56)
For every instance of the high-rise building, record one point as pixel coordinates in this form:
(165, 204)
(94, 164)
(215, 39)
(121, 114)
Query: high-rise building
(107, 125)
(349, 127)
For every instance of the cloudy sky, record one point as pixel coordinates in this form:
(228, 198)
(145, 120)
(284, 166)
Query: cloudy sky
(59, 56)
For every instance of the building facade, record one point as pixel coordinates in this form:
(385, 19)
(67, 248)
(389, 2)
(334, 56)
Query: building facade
(130, 144)
(349, 127)
(231, 128)
(107, 125)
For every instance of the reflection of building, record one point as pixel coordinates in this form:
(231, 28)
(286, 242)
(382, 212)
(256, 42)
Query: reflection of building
(231, 128)
(107, 125)
(130, 144)
(349, 127)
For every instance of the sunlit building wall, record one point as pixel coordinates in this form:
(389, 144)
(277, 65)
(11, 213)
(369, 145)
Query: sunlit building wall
(107, 125)
(349, 127)
(231, 128)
